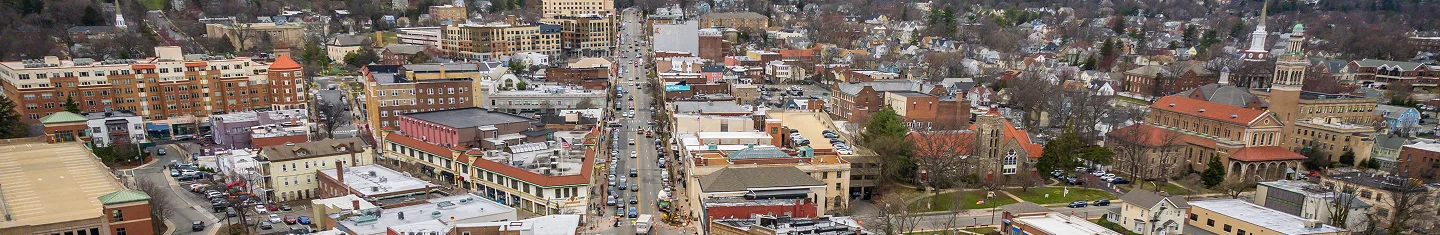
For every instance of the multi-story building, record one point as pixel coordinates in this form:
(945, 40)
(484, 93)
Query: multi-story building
(1398, 118)
(1388, 72)
(540, 177)
(783, 225)
(1310, 201)
(1347, 108)
(712, 45)
(343, 44)
(448, 12)
(855, 101)
(62, 188)
(1375, 189)
(291, 170)
(113, 127)
(1055, 223)
(1247, 141)
(470, 128)
(246, 35)
(374, 182)
(1156, 80)
(585, 35)
(492, 41)
(590, 76)
(550, 224)
(1424, 40)
(928, 111)
(746, 21)
(542, 98)
(1234, 216)
(430, 214)
(423, 36)
(1420, 161)
(1150, 213)
(392, 90)
(401, 53)
(740, 191)
(1334, 138)
(85, 34)
(234, 130)
(171, 88)
(549, 9)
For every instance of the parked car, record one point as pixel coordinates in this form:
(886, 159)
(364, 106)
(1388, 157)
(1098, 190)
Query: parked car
(197, 226)
(290, 219)
(260, 209)
(276, 218)
(285, 207)
(1102, 202)
(230, 212)
(305, 220)
(1078, 204)
(266, 225)
(1118, 180)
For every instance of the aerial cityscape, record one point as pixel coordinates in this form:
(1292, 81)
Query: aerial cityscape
(719, 117)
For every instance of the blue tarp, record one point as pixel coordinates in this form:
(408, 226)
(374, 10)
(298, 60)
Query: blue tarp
(670, 88)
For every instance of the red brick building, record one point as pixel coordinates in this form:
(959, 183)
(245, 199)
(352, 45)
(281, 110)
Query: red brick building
(713, 46)
(127, 212)
(1420, 161)
(1385, 71)
(1143, 80)
(594, 78)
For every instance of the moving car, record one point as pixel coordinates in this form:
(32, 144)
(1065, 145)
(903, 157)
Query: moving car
(1077, 204)
(634, 187)
(1102, 202)
(197, 226)
(634, 173)
(634, 200)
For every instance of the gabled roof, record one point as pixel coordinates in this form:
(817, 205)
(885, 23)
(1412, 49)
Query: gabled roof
(1224, 94)
(1265, 153)
(329, 147)
(1154, 136)
(1147, 199)
(1020, 136)
(62, 117)
(404, 49)
(1387, 64)
(124, 196)
(732, 179)
(1209, 110)
(283, 62)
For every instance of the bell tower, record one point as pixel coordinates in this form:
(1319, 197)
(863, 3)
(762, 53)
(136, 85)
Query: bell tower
(1288, 79)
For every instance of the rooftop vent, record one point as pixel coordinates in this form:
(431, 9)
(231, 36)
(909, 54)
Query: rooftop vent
(1234, 115)
(1172, 104)
(1202, 110)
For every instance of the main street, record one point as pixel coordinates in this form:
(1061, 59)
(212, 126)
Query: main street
(632, 78)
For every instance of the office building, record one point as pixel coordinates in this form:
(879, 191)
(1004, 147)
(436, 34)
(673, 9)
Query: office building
(237, 130)
(291, 169)
(421, 36)
(247, 35)
(392, 90)
(497, 40)
(1311, 201)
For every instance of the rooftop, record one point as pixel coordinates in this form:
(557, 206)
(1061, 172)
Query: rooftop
(472, 117)
(1382, 182)
(462, 208)
(328, 147)
(709, 107)
(787, 225)
(731, 179)
(909, 94)
(1309, 190)
(1060, 224)
(539, 158)
(271, 116)
(808, 123)
(44, 183)
(544, 225)
(1431, 147)
(376, 180)
(292, 128)
(344, 202)
(110, 114)
(1272, 219)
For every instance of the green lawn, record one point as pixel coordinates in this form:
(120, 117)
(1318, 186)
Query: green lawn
(1132, 100)
(967, 201)
(981, 230)
(1037, 195)
(389, 37)
(154, 4)
(1170, 188)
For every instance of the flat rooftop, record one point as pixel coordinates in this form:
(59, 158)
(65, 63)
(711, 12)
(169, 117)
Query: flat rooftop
(810, 125)
(561, 224)
(46, 183)
(786, 225)
(377, 180)
(344, 202)
(1060, 224)
(468, 117)
(473, 208)
(1272, 219)
(709, 107)
(538, 158)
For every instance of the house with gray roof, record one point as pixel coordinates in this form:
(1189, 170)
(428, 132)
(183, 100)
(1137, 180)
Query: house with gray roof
(1399, 118)
(1310, 200)
(1387, 150)
(1150, 213)
(738, 191)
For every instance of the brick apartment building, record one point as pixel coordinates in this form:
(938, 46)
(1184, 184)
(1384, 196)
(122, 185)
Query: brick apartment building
(713, 46)
(747, 21)
(168, 86)
(392, 90)
(855, 101)
(1142, 80)
(470, 128)
(594, 78)
(1387, 72)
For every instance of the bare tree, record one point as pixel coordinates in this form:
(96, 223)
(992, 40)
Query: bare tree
(1339, 208)
(162, 203)
(1235, 187)
(333, 116)
(1025, 92)
(895, 217)
(1410, 200)
(1136, 147)
(586, 103)
(941, 157)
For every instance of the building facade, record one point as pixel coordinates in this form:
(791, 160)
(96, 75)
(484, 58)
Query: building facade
(247, 35)
(1420, 161)
(496, 40)
(234, 130)
(1150, 213)
(1233, 216)
(290, 170)
(116, 127)
(747, 21)
(171, 88)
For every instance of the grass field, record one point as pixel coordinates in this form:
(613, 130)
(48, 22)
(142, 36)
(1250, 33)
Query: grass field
(967, 201)
(981, 230)
(389, 37)
(154, 4)
(1037, 195)
(1170, 188)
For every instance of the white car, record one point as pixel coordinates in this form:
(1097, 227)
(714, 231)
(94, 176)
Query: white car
(843, 151)
(260, 209)
(633, 155)
(275, 218)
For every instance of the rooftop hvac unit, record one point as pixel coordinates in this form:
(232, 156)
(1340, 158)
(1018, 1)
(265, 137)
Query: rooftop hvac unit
(372, 173)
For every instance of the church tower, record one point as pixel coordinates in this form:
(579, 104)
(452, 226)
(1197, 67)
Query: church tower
(1257, 51)
(1288, 79)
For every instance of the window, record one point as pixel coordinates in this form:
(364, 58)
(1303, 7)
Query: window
(1240, 232)
(1210, 222)
(116, 216)
(1194, 217)
(1227, 228)
(120, 231)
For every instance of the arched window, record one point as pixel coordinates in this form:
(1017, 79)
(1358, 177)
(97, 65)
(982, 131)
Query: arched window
(1010, 158)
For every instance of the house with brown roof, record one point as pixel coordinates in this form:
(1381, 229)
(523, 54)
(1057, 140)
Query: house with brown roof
(1157, 80)
(291, 169)
(1150, 213)
(1181, 129)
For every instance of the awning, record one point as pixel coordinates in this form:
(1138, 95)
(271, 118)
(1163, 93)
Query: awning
(671, 88)
(157, 127)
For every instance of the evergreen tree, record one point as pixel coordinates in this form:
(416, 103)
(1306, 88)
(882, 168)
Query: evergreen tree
(1059, 153)
(91, 17)
(1090, 63)
(1348, 158)
(1118, 26)
(885, 124)
(71, 105)
(11, 126)
(1214, 173)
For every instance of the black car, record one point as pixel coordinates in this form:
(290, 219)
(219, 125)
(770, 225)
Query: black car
(1074, 181)
(197, 226)
(1118, 180)
(1078, 204)
(1101, 202)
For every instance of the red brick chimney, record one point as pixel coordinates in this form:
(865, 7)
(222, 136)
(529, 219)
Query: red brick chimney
(340, 172)
(355, 204)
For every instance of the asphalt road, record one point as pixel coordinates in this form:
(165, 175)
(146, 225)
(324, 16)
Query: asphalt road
(645, 162)
(185, 207)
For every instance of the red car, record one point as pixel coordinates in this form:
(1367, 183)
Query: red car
(289, 219)
(273, 207)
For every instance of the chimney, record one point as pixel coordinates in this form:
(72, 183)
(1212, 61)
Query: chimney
(355, 204)
(340, 172)
(511, 20)
(354, 161)
(427, 192)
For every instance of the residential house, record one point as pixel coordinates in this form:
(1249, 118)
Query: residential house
(1151, 213)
